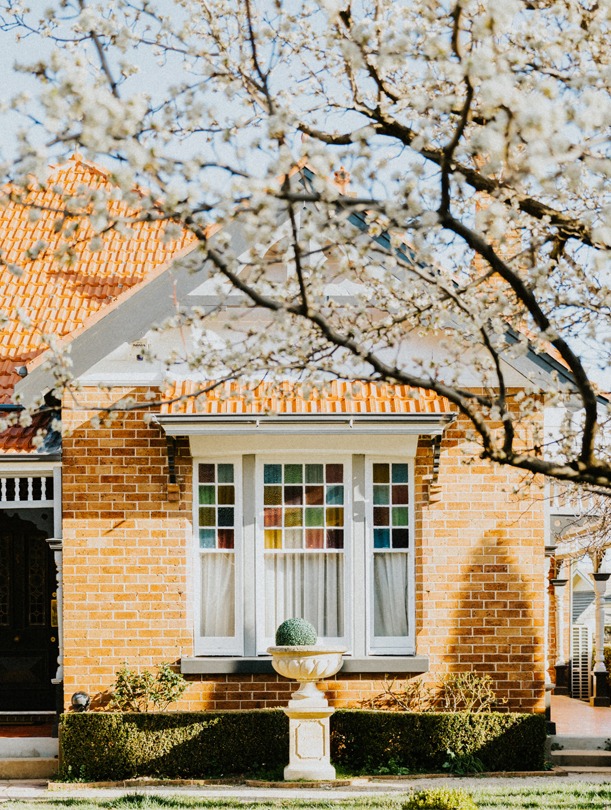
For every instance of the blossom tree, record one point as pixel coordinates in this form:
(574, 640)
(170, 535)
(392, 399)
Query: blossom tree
(475, 136)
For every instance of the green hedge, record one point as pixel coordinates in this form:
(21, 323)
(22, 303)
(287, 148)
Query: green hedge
(114, 745)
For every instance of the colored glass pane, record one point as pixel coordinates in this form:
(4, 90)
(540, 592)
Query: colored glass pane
(335, 495)
(314, 474)
(334, 473)
(206, 473)
(315, 516)
(272, 538)
(272, 474)
(400, 494)
(225, 516)
(399, 473)
(272, 496)
(381, 474)
(400, 516)
(381, 516)
(207, 495)
(293, 495)
(315, 495)
(293, 473)
(225, 473)
(207, 538)
(335, 516)
(315, 538)
(381, 538)
(293, 538)
(335, 538)
(226, 538)
(207, 516)
(226, 495)
(400, 538)
(272, 516)
(293, 516)
(381, 494)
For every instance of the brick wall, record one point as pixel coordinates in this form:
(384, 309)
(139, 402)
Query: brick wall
(479, 567)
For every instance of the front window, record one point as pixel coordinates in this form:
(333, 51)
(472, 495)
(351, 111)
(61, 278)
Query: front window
(327, 539)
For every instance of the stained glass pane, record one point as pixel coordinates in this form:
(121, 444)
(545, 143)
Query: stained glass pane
(293, 473)
(293, 538)
(314, 474)
(335, 516)
(227, 495)
(381, 538)
(272, 516)
(225, 516)
(207, 495)
(207, 516)
(400, 494)
(206, 473)
(225, 472)
(315, 538)
(335, 495)
(381, 494)
(315, 516)
(381, 516)
(400, 516)
(399, 473)
(381, 474)
(273, 538)
(272, 474)
(207, 538)
(272, 496)
(315, 495)
(334, 473)
(335, 538)
(226, 538)
(293, 516)
(293, 495)
(400, 538)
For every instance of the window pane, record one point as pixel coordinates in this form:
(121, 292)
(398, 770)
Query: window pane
(314, 474)
(217, 618)
(293, 495)
(225, 472)
(335, 538)
(207, 538)
(272, 517)
(335, 516)
(227, 495)
(307, 585)
(399, 473)
(335, 495)
(381, 516)
(293, 516)
(400, 538)
(206, 473)
(207, 495)
(272, 474)
(207, 516)
(315, 495)
(293, 538)
(225, 516)
(334, 473)
(381, 474)
(226, 538)
(273, 538)
(315, 538)
(381, 494)
(315, 516)
(400, 494)
(381, 538)
(272, 496)
(390, 600)
(400, 516)
(293, 474)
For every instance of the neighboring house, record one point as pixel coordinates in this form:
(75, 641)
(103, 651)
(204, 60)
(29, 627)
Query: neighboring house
(189, 536)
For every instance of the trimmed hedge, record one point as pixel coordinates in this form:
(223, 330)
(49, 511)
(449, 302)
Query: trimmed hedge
(440, 799)
(114, 745)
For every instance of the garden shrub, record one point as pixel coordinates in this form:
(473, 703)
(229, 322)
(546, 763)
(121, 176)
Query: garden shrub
(440, 799)
(120, 745)
(295, 633)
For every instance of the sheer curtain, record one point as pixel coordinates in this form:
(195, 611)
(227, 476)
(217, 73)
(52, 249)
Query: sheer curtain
(306, 585)
(218, 594)
(390, 582)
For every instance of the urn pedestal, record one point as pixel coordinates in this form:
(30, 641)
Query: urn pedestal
(308, 710)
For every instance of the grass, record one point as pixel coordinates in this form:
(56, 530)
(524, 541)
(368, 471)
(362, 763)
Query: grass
(567, 797)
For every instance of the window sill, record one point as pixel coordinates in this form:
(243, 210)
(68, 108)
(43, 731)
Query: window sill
(263, 666)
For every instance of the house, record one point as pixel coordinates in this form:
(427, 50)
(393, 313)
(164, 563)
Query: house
(187, 532)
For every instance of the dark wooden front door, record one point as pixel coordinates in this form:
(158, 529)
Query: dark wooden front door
(28, 617)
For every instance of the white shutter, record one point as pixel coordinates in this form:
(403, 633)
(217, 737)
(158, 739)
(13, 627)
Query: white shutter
(581, 662)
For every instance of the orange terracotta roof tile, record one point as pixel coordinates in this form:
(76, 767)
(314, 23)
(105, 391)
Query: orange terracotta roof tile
(338, 397)
(17, 439)
(59, 298)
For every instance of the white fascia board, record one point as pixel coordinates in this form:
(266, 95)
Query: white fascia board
(31, 464)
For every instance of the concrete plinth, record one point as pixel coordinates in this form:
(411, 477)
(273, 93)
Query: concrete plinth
(309, 749)
(600, 696)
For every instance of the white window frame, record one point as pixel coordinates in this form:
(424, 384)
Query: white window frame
(220, 645)
(263, 642)
(389, 645)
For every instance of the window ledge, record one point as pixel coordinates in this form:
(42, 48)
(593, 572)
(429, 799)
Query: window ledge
(263, 666)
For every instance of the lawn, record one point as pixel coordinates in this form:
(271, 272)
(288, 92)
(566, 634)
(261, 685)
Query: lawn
(568, 797)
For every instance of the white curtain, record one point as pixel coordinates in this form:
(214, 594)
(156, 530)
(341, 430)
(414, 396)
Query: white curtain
(218, 594)
(306, 585)
(390, 582)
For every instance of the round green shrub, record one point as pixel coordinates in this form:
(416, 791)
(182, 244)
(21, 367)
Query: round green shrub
(440, 799)
(295, 633)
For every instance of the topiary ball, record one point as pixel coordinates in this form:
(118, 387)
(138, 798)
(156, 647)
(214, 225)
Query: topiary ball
(295, 633)
(440, 799)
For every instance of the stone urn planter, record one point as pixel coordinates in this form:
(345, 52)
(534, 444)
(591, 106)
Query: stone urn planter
(308, 710)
